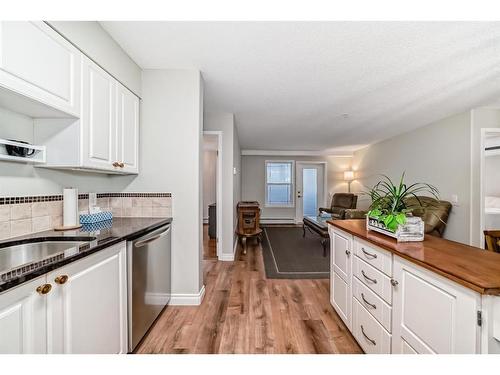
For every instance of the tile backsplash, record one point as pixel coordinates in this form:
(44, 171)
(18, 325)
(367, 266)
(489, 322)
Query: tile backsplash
(24, 215)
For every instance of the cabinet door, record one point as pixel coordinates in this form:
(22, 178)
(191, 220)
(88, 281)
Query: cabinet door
(127, 114)
(340, 274)
(39, 63)
(88, 312)
(432, 314)
(23, 319)
(98, 125)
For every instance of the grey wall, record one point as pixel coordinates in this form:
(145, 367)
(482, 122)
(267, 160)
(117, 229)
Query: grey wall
(170, 149)
(95, 42)
(253, 180)
(438, 154)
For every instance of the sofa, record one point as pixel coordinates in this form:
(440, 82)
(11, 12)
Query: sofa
(433, 212)
(340, 203)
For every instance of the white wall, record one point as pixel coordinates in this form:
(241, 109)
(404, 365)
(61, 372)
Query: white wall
(170, 148)
(231, 190)
(253, 180)
(438, 154)
(209, 179)
(94, 41)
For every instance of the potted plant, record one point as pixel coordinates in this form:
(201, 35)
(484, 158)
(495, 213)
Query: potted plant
(390, 212)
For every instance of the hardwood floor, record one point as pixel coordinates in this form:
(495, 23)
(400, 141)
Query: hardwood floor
(243, 312)
(209, 245)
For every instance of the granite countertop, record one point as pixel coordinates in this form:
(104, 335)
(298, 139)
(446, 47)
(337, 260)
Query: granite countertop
(98, 238)
(469, 266)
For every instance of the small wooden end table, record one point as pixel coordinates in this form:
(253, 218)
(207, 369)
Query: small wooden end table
(242, 236)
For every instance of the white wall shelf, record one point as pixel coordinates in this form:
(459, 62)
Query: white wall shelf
(37, 158)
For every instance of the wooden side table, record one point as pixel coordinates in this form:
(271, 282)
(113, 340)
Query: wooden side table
(243, 237)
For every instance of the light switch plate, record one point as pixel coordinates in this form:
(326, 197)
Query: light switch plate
(454, 199)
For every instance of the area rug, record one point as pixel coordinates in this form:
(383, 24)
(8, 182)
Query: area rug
(288, 255)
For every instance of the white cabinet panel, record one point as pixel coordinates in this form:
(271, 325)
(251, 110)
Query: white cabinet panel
(98, 117)
(372, 303)
(23, 319)
(89, 311)
(341, 254)
(373, 279)
(127, 129)
(432, 314)
(341, 298)
(379, 258)
(40, 64)
(370, 335)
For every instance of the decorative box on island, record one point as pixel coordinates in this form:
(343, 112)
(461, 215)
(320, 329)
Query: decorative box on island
(96, 217)
(411, 231)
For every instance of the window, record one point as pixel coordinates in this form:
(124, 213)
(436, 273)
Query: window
(279, 184)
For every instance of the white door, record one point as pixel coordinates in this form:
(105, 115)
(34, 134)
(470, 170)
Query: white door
(88, 306)
(432, 314)
(40, 64)
(310, 189)
(23, 318)
(127, 115)
(340, 274)
(98, 117)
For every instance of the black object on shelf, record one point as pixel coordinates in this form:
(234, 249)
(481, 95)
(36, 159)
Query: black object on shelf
(18, 150)
(212, 220)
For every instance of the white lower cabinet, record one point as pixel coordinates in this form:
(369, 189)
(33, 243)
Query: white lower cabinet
(432, 314)
(370, 334)
(392, 305)
(23, 319)
(82, 310)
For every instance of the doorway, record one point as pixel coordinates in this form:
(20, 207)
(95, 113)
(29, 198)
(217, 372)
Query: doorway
(489, 182)
(311, 188)
(212, 200)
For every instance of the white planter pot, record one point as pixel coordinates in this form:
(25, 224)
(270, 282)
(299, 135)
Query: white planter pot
(411, 231)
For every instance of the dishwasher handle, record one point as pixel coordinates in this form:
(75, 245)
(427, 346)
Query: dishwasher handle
(144, 242)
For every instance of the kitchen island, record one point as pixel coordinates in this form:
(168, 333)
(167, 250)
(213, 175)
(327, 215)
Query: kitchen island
(435, 296)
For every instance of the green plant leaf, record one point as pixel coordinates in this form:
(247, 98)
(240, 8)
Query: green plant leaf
(401, 218)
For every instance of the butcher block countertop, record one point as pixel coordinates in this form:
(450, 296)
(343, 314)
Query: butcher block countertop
(469, 266)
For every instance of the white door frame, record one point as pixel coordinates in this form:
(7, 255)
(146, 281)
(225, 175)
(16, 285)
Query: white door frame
(481, 182)
(298, 216)
(218, 189)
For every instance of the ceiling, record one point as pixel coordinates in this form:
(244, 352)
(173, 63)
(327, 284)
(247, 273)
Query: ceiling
(323, 86)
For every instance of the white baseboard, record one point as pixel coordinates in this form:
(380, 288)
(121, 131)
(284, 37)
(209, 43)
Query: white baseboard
(188, 299)
(229, 257)
(156, 298)
(277, 220)
(205, 220)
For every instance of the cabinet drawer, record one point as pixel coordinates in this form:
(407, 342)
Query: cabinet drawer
(379, 258)
(373, 279)
(373, 303)
(369, 333)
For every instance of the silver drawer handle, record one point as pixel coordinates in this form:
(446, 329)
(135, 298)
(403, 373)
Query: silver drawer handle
(368, 303)
(373, 256)
(366, 337)
(367, 278)
(347, 252)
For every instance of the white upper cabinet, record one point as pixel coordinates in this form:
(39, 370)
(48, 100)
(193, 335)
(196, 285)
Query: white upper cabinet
(432, 314)
(37, 63)
(127, 126)
(98, 121)
(23, 318)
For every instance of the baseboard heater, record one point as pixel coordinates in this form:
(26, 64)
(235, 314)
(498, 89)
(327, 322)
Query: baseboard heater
(277, 220)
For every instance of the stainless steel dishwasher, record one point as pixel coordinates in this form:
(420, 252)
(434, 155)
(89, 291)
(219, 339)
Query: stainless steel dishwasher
(149, 281)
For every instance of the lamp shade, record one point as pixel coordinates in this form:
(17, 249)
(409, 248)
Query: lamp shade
(348, 175)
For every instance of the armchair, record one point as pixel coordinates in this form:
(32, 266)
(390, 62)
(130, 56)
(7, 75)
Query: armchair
(340, 203)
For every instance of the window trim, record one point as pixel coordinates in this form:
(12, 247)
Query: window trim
(292, 185)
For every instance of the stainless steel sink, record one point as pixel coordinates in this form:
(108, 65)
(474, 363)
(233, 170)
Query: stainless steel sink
(20, 259)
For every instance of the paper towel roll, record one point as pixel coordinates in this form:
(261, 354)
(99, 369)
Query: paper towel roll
(70, 207)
